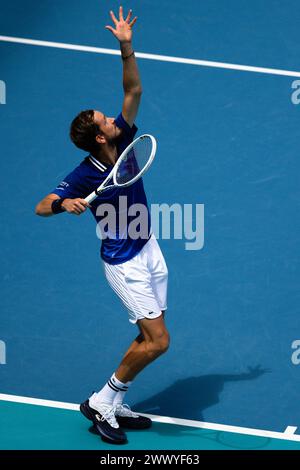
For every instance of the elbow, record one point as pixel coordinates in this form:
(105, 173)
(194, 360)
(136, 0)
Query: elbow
(136, 91)
(44, 207)
(38, 210)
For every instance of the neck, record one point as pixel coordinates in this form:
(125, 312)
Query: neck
(107, 154)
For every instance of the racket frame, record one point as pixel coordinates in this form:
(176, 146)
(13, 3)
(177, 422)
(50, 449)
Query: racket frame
(113, 173)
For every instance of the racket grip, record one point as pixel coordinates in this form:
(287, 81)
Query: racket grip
(91, 197)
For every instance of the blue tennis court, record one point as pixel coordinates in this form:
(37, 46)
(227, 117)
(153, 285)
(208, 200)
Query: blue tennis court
(228, 139)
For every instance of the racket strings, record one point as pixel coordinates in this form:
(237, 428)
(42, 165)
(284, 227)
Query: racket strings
(135, 161)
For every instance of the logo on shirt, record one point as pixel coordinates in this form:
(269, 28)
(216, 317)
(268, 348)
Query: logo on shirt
(62, 185)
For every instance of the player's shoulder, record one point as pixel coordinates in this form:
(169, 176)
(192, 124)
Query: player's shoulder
(128, 133)
(79, 173)
(121, 123)
(88, 166)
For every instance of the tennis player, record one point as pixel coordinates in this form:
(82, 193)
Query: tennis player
(134, 267)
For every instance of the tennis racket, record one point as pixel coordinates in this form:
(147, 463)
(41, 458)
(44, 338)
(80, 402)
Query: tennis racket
(133, 162)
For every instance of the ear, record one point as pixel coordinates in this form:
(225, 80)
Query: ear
(100, 139)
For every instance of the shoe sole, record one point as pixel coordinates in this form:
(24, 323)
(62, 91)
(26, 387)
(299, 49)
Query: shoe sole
(87, 414)
(124, 423)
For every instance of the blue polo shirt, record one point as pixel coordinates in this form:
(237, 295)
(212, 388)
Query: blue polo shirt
(117, 244)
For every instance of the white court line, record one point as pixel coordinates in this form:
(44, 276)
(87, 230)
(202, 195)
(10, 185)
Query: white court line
(290, 430)
(141, 55)
(287, 435)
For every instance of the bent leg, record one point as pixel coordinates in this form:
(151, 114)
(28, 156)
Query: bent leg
(150, 344)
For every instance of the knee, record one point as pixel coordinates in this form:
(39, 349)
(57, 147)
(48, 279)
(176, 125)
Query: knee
(159, 345)
(164, 343)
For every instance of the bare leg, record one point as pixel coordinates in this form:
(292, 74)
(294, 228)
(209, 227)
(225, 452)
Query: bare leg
(150, 344)
(134, 345)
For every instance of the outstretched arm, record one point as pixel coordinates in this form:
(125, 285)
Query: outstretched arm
(131, 80)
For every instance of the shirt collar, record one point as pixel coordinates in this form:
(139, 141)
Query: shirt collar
(97, 164)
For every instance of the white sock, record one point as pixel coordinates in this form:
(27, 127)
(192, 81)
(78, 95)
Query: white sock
(119, 398)
(110, 391)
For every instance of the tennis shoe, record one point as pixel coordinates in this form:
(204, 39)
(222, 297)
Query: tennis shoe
(129, 419)
(103, 417)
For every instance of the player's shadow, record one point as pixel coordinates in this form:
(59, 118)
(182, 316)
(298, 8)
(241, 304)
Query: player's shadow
(188, 398)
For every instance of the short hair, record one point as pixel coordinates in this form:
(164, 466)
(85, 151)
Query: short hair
(83, 131)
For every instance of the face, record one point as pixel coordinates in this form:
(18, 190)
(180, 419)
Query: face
(107, 126)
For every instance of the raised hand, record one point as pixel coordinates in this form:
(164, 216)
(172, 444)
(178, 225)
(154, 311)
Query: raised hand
(123, 28)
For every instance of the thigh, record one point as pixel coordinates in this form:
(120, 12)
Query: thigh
(159, 273)
(153, 329)
(131, 281)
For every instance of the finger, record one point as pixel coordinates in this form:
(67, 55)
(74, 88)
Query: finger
(128, 16)
(121, 13)
(75, 211)
(80, 206)
(133, 21)
(79, 210)
(77, 206)
(113, 17)
(83, 201)
(112, 30)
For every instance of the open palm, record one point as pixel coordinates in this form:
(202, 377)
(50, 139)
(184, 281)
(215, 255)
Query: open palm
(122, 30)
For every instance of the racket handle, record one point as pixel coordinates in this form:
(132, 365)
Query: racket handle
(91, 197)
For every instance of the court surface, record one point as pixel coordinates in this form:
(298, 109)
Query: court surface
(44, 428)
(227, 138)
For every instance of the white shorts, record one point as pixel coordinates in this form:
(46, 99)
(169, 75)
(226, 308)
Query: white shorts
(141, 283)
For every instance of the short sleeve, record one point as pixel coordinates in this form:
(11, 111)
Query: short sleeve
(122, 124)
(70, 187)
